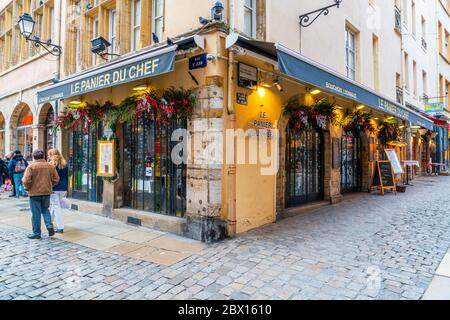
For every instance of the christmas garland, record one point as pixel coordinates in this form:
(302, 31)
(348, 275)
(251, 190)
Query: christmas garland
(357, 122)
(321, 113)
(164, 106)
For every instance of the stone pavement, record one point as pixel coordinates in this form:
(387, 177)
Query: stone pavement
(107, 235)
(368, 247)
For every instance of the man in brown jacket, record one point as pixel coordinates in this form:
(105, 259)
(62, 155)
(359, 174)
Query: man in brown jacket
(38, 180)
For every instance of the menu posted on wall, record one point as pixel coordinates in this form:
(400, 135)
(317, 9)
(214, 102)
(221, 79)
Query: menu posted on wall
(396, 166)
(383, 176)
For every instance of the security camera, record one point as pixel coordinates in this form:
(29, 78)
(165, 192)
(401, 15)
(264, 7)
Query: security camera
(211, 57)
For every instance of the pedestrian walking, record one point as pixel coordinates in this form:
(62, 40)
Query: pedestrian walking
(9, 157)
(3, 171)
(39, 179)
(17, 166)
(60, 190)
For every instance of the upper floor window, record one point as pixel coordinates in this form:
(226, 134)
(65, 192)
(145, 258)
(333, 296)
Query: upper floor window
(158, 18)
(135, 24)
(94, 35)
(350, 53)
(250, 18)
(112, 30)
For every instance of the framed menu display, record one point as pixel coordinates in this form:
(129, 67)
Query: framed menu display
(106, 158)
(396, 166)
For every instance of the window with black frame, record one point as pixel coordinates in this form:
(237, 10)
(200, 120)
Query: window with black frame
(350, 163)
(49, 132)
(152, 181)
(84, 183)
(304, 161)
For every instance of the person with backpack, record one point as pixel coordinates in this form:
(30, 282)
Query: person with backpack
(9, 157)
(17, 166)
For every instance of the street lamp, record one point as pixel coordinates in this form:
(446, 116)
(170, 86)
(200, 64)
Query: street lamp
(26, 25)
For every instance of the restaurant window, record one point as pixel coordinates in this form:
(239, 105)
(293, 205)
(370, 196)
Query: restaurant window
(135, 25)
(152, 181)
(158, 18)
(350, 163)
(250, 18)
(350, 53)
(304, 163)
(84, 183)
(112, 31)
(49, 132)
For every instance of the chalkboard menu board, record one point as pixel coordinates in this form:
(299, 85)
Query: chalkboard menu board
(383, 176)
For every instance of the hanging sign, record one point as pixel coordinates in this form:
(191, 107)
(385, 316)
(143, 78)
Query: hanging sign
(383, 177)
(396, 166)
(434, 107)
(198, 62)
(248, 76)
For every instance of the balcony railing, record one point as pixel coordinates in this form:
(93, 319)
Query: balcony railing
(398, 19)
(424, 44)
(399, 95)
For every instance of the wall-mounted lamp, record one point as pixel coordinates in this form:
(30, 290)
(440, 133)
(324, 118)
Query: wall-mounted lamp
(261, 92)
(390, 118)
(360, 107)
(140, 87)
(99, 46)
(26, 26)
(315, 91)
(277, 84)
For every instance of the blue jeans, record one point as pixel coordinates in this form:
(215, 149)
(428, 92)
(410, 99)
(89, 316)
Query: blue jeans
(18, 185)
(39, 206)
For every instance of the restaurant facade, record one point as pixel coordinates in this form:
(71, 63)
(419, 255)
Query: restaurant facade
(327, 149)
(211, 133)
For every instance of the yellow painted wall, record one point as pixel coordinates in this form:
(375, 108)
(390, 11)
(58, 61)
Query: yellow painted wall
(255, 193)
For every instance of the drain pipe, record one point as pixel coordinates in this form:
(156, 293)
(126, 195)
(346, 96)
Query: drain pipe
(231, 167)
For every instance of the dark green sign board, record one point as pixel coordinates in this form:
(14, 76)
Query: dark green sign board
(136, 68)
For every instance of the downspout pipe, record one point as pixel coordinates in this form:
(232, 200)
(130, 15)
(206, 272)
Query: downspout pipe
(231, 167)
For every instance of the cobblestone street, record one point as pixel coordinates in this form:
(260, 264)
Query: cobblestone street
(368, 247)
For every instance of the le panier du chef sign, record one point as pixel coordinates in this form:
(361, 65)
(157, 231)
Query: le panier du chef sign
(141, 67)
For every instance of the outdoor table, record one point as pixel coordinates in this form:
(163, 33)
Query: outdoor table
(437, 165)
(408, 164)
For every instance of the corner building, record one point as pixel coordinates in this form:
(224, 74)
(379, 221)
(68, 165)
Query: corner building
(257, 59)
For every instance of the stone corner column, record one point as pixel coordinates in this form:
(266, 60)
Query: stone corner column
(332, 176)
(204, 172)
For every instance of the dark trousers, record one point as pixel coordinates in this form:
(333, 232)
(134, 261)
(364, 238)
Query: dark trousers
(39, 206)
(10, 176)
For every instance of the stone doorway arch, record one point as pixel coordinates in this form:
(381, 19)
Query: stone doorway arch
(21, 125)
(2, 136)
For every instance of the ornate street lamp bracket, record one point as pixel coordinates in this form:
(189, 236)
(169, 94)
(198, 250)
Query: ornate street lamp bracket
(51, 48)
(308, 19)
